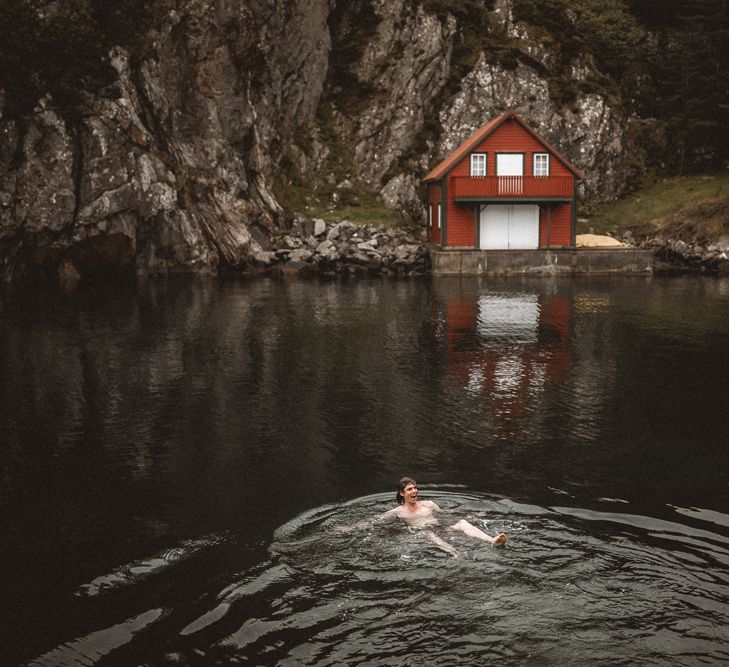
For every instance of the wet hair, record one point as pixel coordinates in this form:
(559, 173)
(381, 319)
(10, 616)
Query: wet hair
(404, 481)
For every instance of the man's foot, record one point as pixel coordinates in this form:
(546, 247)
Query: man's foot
(499, 539)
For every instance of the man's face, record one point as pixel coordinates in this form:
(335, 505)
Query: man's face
(410, 492)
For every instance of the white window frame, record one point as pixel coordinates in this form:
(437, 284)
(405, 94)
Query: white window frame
(440, 208)
(430, 216)
(542, 165)
(479, 158)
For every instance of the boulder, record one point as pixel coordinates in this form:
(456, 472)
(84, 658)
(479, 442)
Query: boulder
(319, 227)
(302, 226)
(263, 258)
(300, 255)
(679, 247)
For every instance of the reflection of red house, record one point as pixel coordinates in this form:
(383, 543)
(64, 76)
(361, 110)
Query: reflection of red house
(507, 347)
(503, 188)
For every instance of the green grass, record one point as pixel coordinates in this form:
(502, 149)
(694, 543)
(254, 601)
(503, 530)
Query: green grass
(659, 199)
(357, 205)
(369, 212)
(378, 216)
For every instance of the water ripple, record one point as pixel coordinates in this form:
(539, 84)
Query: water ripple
(613, 583)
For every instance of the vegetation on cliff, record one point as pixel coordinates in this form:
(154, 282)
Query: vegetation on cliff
(61, 48)
(683, 207)
(668, 59)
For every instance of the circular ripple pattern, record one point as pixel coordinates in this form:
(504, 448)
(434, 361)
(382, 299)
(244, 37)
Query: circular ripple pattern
(571, 586)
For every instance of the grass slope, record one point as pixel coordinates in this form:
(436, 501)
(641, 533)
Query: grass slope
(683, 206)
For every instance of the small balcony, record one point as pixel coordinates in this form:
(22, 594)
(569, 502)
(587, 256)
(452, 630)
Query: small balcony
(509, 188)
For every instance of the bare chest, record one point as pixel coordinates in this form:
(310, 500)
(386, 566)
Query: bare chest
(422, 515)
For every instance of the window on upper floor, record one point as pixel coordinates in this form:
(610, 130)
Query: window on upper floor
(478, 164)
(541, 164)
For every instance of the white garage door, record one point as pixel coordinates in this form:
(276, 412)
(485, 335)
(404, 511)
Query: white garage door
(524, 227)
(509, 227)
(495, 227)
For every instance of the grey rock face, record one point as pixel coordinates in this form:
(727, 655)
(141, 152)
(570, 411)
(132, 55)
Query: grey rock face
(403, 193)
(159, 165)
(407, 63)
(44, 196)
(294, 40)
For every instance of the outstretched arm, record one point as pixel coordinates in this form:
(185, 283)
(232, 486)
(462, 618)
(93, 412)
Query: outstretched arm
(365, 523)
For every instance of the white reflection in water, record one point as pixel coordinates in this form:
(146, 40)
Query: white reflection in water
(476, 378)
(508, 375)
(718, 518)
(508, 317)
(537, 378)
(508, 364)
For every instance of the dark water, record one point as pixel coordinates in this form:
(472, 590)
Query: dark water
(174, 458)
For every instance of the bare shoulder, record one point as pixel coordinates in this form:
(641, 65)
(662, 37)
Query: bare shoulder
(430, 504)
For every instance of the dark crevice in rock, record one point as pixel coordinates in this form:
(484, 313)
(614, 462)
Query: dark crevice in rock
(17, 159)
(151, 116)
(77, 169)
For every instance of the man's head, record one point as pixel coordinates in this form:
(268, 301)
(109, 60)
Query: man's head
(404, 482)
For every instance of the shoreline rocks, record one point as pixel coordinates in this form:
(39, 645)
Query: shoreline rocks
(343, 247)
(673, 255)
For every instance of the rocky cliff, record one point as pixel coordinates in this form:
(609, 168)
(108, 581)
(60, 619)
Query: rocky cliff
(234, 108)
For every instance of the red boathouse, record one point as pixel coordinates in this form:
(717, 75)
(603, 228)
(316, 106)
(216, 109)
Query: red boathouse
(504, 188)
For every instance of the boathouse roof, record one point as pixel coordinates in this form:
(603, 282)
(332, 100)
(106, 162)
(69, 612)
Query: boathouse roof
(442, 169)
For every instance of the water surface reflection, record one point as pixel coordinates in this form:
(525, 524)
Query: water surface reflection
(157, 441)
(505, 347)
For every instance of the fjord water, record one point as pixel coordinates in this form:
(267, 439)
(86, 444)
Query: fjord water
(175, 457)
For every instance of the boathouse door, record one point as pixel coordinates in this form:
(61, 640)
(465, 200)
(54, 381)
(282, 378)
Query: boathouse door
(509, 227)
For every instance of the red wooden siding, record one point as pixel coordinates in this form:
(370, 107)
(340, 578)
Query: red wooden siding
(560, 232)
(434, 197)
(434, 231)
(509, 137)
(434, 191)
(460, 230)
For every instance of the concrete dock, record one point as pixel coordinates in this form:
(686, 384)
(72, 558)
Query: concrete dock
(561, 261)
